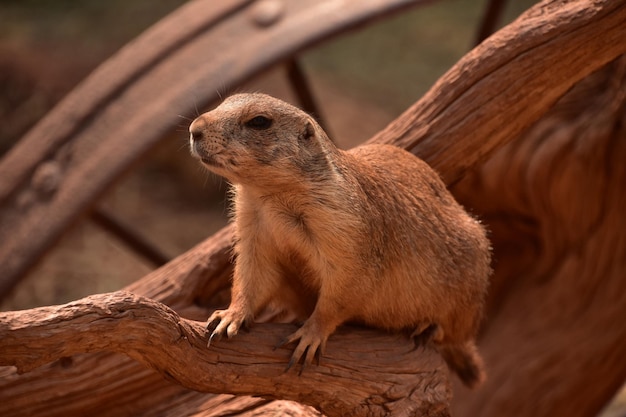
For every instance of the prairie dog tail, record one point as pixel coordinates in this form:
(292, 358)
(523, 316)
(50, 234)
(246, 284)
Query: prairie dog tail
(465, 361)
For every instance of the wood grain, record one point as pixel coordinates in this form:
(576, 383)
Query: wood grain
(404, 380)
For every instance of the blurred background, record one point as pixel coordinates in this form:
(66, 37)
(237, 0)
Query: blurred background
(362, 80)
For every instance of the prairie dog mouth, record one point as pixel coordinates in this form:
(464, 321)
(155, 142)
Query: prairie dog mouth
(210, 161)
(201, 153)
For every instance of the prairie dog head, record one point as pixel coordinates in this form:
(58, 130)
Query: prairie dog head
(259, 140)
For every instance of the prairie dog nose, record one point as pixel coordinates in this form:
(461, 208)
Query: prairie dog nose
(196, 132)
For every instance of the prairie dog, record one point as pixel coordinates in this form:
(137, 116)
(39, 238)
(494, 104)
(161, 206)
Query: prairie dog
(369, 235)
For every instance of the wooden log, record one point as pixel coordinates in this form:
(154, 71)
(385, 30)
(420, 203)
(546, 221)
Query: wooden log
(508, 82)
(554, 202)
(366, 373)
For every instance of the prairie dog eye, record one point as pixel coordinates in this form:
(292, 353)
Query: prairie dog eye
(259, 123)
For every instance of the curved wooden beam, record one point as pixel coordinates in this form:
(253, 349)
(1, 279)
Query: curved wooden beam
(132, 100)
(404, 381)
(508, 82)
(554, 202)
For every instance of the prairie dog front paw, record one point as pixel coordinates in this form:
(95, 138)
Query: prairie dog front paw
(224, 322)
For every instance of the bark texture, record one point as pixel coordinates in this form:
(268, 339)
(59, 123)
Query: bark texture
(404, 380)
(555, 202)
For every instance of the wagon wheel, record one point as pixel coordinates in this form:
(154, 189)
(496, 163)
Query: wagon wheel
(68, 160)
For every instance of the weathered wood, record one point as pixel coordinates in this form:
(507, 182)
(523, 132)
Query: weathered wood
(404, 381)
(459, 99)
(508, 82)
(555, 203)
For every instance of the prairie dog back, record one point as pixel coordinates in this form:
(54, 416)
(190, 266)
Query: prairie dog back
(369, 235)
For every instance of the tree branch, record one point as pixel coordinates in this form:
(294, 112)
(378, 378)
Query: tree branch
(364, 373)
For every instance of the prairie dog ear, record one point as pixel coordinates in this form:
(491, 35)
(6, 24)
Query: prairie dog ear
(308, 132)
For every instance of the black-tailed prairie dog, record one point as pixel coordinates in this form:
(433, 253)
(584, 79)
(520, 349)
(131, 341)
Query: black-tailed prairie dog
(369, 235)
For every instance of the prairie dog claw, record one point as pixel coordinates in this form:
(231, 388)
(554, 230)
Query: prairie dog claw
(224, 322)
(311, 345)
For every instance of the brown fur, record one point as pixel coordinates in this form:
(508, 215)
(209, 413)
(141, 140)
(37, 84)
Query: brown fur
(369, 235)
